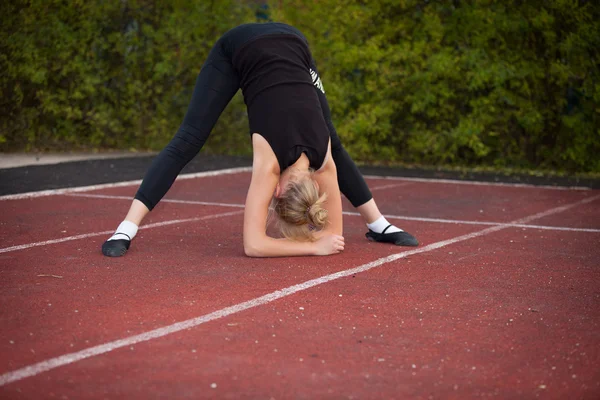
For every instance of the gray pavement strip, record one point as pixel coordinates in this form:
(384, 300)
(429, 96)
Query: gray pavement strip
(14, 160)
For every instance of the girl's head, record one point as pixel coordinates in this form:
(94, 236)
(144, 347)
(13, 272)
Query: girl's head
(299, 206)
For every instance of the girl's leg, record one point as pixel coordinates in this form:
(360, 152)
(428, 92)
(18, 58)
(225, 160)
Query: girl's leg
(353, 185)
(215, 86)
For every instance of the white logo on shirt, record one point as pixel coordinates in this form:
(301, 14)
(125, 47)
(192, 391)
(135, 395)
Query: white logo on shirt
(316, 80)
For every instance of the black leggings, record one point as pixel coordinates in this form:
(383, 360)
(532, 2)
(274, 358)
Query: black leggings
(215, 86)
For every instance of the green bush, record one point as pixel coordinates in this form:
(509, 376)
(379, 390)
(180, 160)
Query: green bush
(487, 82)
(107, 74)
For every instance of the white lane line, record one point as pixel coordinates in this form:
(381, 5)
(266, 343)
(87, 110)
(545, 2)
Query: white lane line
(52, 192)
(70, 358)
(392, 185)
(485, 223)
(477, 183)
(87, 235)
(164, 200)
(401, 217)
(555, 210)
(555, 228)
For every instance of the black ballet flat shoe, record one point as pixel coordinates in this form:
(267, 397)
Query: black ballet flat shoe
(115, 248)
(398, 238)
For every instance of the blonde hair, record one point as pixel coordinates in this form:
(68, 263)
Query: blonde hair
(300, 209)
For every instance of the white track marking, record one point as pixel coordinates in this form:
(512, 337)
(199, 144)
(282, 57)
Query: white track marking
(52, 192)
(555, 210)
(164, 200)
(70, 358)
(87, 235)
(477, 183)
(485, 223)
(555, 228)
(392, 185)
(401, 217)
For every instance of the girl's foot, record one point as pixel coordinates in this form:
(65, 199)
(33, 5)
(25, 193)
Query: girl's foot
(118, 244)
(116, 247)
(397, 237)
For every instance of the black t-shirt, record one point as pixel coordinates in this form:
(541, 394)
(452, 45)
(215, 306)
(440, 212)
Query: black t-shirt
(283, 105)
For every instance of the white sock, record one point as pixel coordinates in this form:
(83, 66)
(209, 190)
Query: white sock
(382, 223)
(126, 231)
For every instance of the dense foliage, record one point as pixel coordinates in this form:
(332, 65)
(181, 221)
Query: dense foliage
(109, 74)
(506, 83)
(494, 82)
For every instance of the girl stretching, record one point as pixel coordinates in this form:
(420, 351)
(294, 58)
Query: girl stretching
(299, 165)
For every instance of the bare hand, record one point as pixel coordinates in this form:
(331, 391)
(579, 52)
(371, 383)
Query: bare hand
(329, 244)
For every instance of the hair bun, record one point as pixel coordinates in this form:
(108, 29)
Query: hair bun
(317, 215)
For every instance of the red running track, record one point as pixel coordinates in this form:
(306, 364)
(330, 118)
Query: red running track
(501, 299)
